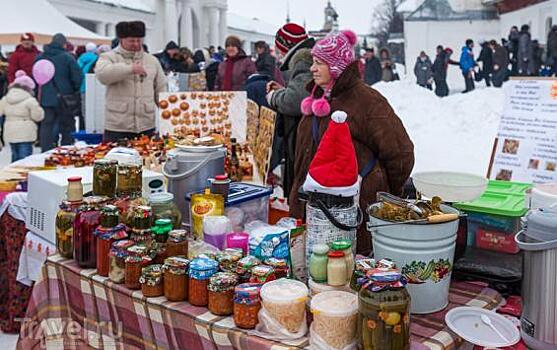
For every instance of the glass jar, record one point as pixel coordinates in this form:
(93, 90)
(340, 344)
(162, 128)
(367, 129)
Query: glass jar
(107, 233)
(142, 218)
(130, 181)
(118, 255)
(177, 243)
(384, 314)
(74, 192)
(200, 270)
(228, 262)
(151, 281)
(280, 266)
(64, 228)
(244, 266)
(336, 268)
(360, 271)
(175, 271)
(262, 274)
(247, 304)
(345, 246)
(318, 263)
(221, 293)
(161, 229)
(87, 219)
(164, 208)
(134, 265)
(126, 205)
(104, 177)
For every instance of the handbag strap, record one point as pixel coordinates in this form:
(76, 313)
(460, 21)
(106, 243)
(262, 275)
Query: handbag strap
(335, 222)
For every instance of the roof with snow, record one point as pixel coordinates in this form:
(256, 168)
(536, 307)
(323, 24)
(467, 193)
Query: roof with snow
(250, 24)
(409, 6)
(441, 10)
(137, 5)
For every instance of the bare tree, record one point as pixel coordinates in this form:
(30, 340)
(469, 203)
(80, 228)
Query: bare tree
(387, 20)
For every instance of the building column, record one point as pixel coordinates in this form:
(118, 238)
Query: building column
(213, 26)
(171, 21)
(186, 27)
(223, 27)
(111, 30)
(101, 28)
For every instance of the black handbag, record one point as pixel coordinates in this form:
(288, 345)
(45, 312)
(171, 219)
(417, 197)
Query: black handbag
(70, 103)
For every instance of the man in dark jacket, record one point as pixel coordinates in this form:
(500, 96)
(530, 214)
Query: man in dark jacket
(500, 63)
(372, 69)
(66, 81)
(169, 58)
(294, 44)
(23, 57)
(537, 58)
(525, 52)
(265, 63)
(513, 49)
(486, 57)
(439, 68)
(552, 48)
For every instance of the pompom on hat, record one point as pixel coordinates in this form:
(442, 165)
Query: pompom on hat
(334, 168)
(337, 51)
(23, 80)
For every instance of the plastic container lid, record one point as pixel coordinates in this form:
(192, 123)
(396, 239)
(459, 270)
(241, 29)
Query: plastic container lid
(240, 192)
(335, 303)
(542, 225)
(161, 197)
(321, 249)
(203, 264)
(317, 288)
(508, 187)
(496, 204)
(284, 291)
(342, 244)
(336, 254)
(221, 178)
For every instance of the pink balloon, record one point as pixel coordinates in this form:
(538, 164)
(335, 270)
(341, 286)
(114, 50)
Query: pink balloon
(43, 71)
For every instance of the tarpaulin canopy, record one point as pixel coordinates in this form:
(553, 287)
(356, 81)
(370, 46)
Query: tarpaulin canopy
(43, 20)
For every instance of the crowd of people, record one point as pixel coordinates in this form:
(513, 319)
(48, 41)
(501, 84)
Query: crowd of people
(518, 55)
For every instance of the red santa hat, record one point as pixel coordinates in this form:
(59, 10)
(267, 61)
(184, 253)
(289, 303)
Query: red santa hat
(334, 168)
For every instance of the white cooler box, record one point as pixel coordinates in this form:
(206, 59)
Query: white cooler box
(47, 189)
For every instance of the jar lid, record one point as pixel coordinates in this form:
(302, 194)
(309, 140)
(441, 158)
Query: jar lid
(341, 244)
(105, 161)
(262, 271)
(143, 211)
(134, 259)
(177, 236)
(274, 262)
(364, 265)
(236, 253)
(110, 209)
(336, 254)
(203, 264)
(284, 291)
(335, 303)
(221, 177)
(177, 262)
(123, 244)
(152, 271)
(163, 222)
(248, 262)
(162, 197)
(247, 291)
(74, 179)
(222, 281)
(115, 233)
(321, 249)
(94, 201)
(138, 249)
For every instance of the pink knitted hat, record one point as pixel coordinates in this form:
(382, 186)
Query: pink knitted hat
(336, 50)
(22, 79)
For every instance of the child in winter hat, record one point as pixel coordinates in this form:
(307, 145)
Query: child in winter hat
(22, 112)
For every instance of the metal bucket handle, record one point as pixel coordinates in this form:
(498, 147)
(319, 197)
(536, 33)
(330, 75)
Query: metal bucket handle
(335, 222)
(534, 246)
(187, 173)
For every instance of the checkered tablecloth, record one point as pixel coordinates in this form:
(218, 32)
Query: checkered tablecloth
(75, 308)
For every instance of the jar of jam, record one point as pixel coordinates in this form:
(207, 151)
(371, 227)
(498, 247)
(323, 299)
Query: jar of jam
(104, 177)
(161, 229)
(130, 181)
(262, 274)
(221, 293)
(280, 266)
(107, 233)
(64, 228)
(134, 265)
(164, 208)
(200, 270)
(244, 267)
(247, 304)
(175, 271)
(142, 218)
(118, 255)
(87, 219)
(177, 243)
(384, 311)
(151, 281)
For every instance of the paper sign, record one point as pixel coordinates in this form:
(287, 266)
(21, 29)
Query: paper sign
(264, 144)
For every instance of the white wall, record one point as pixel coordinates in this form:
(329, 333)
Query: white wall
(426, 36)
(250, 38)
(536, 16)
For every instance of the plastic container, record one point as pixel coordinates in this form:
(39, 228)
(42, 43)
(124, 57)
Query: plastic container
(238, 240)
(425, 254)
(245, 203)
(335, 317)
(215, 229)
(88, 138)
(451, 186)
(285, 301)
(543, 196)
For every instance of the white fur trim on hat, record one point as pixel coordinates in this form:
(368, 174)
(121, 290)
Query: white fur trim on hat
(91, 47)
(339, 117)
(310, 185)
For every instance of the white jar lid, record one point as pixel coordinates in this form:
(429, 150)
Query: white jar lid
(335, 303)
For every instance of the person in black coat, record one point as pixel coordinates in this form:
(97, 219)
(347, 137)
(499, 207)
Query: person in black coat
(202, 58)
(486, 57)
(537, 57)
(372, 70)
(513, 49)
(170, 58)
(265, 63)
(500, 63)
(439, 68)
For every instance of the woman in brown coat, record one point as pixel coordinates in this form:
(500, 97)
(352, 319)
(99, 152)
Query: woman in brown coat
(235, 69)
(379, 138)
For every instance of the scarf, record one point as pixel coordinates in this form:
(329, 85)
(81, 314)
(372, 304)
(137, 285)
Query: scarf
(229, 72)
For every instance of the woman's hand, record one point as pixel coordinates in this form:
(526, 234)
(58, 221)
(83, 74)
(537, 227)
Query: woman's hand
(273, 85)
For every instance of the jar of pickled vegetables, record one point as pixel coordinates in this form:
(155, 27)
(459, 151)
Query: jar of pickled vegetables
(247, 304)
(384, 311)
(318, 263)
(280, 266)
(107, 233)
(177, 243)
(130, 181)
(118, 255)
(161, 229)
(175, 271)
(141, 220)
(221, 293)
(151, 281)
(345, 246)
(87, 219)
(200, 270)
(104, 177)
(134, 265)
(64, 228)
(262, 274)
(164, 208)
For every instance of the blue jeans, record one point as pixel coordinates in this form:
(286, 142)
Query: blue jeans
(21, 150)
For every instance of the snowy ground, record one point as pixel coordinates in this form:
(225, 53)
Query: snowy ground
(454, 133)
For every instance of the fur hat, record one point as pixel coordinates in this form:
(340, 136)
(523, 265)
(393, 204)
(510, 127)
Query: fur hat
(27, 37)
(91, 47)
(135, 29)
(233, 40)
(289, 35)
(24, 81)
(336, 50)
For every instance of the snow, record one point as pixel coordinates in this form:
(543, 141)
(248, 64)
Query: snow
(139, 5)
(409, 6)
(455, 133)
(247, 24)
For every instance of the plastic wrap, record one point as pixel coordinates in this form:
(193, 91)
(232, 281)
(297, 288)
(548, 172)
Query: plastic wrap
(268, 241)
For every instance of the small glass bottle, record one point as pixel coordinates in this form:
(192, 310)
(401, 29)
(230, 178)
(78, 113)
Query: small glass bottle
(247, 304)
(200, 270)
(221, 293)
(318, 263)
(86, 222)
(336, 268)
(104, 177)
(177, 243)
(345, 246)
(107, 233)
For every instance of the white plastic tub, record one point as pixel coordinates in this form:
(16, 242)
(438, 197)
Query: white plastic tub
(335, 317)
(285, 301)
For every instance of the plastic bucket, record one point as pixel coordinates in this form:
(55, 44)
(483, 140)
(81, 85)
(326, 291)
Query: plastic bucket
(543, 196)
(424, 253)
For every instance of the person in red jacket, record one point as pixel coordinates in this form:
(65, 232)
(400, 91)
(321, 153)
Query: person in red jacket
(23, 57)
